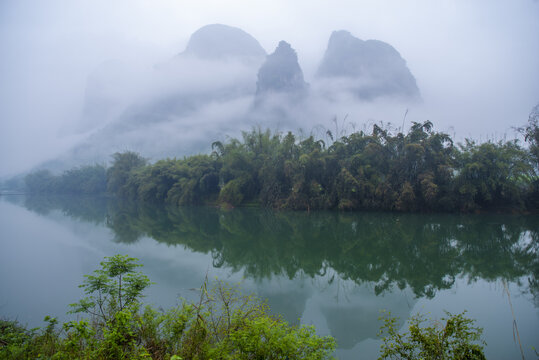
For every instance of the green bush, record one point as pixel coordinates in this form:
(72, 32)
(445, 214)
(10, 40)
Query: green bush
(231, 193)
(455, 338)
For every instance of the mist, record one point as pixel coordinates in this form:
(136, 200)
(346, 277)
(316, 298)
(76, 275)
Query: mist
(83, 79)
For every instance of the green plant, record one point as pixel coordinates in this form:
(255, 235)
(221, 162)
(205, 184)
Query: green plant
(227, 324)
(14, 339)
(111, 289)
(455, 337)
(223, 324)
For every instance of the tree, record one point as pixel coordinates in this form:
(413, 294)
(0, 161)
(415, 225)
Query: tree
(492, 175)
(41, 181)
(113, 288)
(122, 166)
(531, 135)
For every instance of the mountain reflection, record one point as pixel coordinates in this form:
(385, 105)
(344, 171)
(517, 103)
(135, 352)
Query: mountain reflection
(424, 252)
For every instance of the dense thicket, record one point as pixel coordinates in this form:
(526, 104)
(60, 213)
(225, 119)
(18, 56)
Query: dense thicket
(422, 170)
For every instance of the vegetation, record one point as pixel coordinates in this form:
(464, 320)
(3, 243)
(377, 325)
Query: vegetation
(456, 339)
(223, 324)
(422, 170)
(83, 180)
(531, 135)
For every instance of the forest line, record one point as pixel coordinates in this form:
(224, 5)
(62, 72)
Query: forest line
(422, 170)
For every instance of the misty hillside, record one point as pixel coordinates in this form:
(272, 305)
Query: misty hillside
(222, 83)
(281, 90)
(281, 72)
(369, 69)
(222, 42)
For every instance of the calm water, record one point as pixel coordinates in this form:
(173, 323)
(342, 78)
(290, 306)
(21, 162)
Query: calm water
(333, 270)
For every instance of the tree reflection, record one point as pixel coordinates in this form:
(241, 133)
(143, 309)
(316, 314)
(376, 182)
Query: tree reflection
(425, 252)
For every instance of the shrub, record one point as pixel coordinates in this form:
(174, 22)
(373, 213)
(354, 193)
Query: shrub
(455, 339)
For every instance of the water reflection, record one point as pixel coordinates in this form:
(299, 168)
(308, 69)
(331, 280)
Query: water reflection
(423, 252)
(333, 270)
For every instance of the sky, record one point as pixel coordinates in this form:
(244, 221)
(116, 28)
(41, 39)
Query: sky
(476, 62)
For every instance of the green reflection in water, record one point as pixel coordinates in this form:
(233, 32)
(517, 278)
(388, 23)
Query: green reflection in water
(424, 252)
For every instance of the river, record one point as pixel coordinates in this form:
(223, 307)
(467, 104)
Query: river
(334, 270)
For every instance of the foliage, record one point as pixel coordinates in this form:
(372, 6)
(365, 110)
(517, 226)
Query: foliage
(83, 180)
(14, 339)
(455, 337)
(124, 165)
(421, 170)
(226, 324)
(16, 342)
(531, 136)
(40, 182)
(418, 171)
(111, 289)
(493, 175)
(223, 324)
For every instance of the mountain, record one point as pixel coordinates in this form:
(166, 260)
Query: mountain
(281, 72)
(171, 108)
(223, 83)
(106, 94)
(219, 64)
(222, 42)
(369, 69)
(280, 89)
